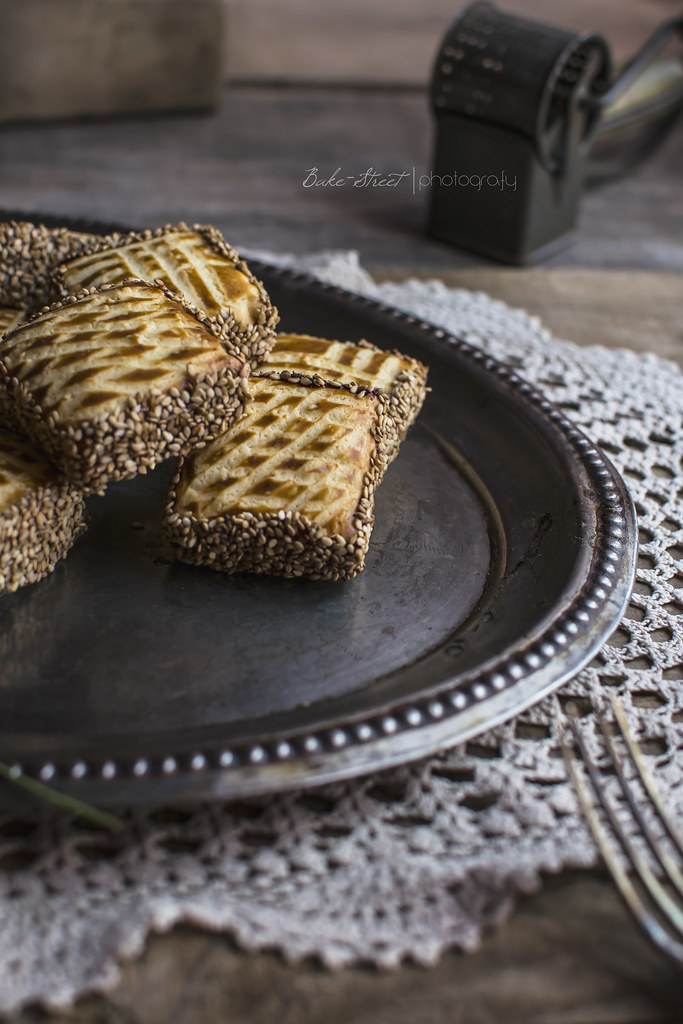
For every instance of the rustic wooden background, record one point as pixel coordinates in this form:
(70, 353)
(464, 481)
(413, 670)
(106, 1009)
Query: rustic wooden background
(74, 58)
(393, 41)
(569, 954)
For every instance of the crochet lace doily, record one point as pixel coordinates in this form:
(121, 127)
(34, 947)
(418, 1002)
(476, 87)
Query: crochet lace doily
(408, 862)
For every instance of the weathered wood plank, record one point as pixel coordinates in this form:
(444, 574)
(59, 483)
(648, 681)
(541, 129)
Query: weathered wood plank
(243, 170)
(394, 41)
(639, 310)
(69, 58)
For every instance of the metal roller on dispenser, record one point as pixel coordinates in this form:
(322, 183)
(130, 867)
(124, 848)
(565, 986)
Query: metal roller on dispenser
(519, 108)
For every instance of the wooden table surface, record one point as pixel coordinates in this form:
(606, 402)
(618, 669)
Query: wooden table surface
(569, 954)
(243, 169)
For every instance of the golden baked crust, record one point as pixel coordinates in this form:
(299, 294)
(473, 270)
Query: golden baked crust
(29, 254)
(10, 318)
(306, 359)
(41, 514)
(197, 263)
(304, 449)
(114, 380)
(344, 361)
(88, 357)
(288, 490)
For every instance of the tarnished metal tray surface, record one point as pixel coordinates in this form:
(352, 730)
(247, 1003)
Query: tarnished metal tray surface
(502, 557)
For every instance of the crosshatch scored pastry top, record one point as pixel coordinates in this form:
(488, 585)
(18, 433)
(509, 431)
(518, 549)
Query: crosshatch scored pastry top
(297, 449)
(86, 357)
(196, 262)
(360, 362)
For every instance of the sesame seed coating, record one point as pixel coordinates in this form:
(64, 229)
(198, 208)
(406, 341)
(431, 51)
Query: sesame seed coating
(41, 514)
(29, 254)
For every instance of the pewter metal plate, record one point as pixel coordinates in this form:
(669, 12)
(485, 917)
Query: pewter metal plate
(502, 557)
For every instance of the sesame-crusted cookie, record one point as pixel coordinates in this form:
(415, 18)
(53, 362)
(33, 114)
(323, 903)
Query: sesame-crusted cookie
(301, 358)
(29, 253)
(114, 380)
(289, 490)
(196, 262)
(9, 319)
(41, 514)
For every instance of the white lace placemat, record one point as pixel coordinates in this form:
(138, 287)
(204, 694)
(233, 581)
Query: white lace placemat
(409, 862)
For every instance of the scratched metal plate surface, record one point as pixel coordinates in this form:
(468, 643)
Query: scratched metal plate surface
(502, 557)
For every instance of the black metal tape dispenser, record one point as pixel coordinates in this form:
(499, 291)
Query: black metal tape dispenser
(526, 114)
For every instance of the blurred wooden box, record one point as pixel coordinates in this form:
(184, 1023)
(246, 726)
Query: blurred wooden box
(74, 58)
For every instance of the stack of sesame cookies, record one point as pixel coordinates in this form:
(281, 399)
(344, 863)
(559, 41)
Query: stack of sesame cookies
(301, 358)
(119, 352)
(288, 491)
(145, 353)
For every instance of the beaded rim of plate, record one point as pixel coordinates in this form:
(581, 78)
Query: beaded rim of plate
(452, 699)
